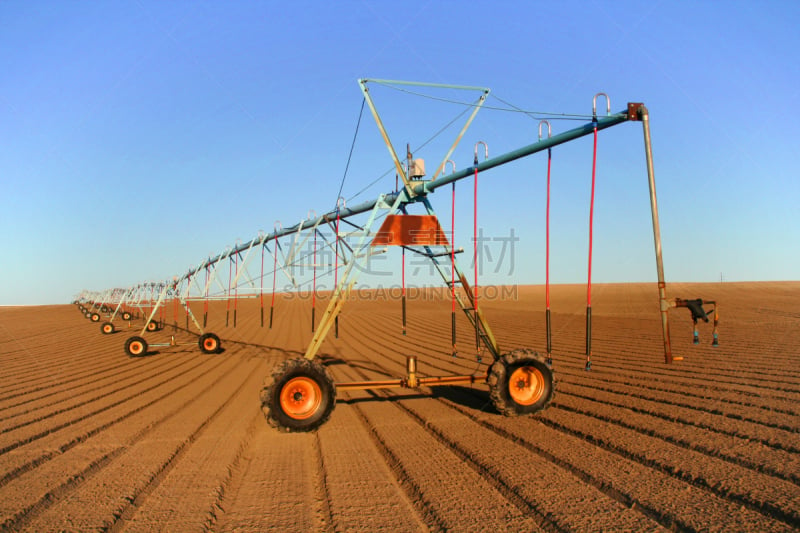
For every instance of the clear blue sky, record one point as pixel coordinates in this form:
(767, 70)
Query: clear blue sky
(138, 137)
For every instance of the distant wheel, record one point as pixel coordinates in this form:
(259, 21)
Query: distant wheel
(152, 326)
(107, 328)
(95, 317)
(87, 314)
(126, 315)
(299, 396)
(136, 347)
(209, 343)
(521, 383)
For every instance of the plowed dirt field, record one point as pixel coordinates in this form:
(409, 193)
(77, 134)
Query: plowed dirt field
(91, 439)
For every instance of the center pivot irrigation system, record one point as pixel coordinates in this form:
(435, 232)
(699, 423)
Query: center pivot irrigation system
(300, 394)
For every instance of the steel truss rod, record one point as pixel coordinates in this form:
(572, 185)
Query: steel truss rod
(171, 292)
(398, 165)
(349, 276)
(243, 267)
(126, 296)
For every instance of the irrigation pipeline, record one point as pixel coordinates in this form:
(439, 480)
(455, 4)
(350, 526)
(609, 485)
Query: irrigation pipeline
(430, 186)
(453, 270)
(411, 193)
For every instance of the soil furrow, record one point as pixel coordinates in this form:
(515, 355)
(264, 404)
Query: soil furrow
(258, 476)
(91, 383)
(54, 445)
(736, 450)
(322, 493)
(773, 498)
(276, 472)
(77, 402)
(355, 467)
(775, 438)
(762, 417)
(524, 493)
(400, 441)
(443, 426)
(102, 498)
(657, 495)
(181, 502)
(93, 439)
(687, 388)
(85, 458)
(12, 442)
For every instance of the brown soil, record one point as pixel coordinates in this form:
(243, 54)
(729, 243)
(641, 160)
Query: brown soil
(93, 439)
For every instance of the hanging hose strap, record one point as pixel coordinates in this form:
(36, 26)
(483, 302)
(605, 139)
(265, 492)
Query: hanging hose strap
(274, 270)
(547, 237)
(453, 249)
(475, 239)
(262, 274)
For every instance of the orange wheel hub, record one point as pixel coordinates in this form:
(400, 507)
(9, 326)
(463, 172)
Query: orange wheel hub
(210, 344)
(136, 347)
(526, 385)
(301, 397)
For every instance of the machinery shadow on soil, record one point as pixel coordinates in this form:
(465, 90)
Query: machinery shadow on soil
(266, 347)
(473, 399)
(468, 397)
(148, 353)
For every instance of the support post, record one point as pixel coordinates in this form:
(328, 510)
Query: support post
(664, 305)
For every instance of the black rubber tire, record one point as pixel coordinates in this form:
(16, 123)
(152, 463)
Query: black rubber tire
(209, 343)
(126, 315)
(136, 347)
(287, 374)
(87, 314)
(499, 380)
(107, 328)
(95, 317)
(152, 326)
